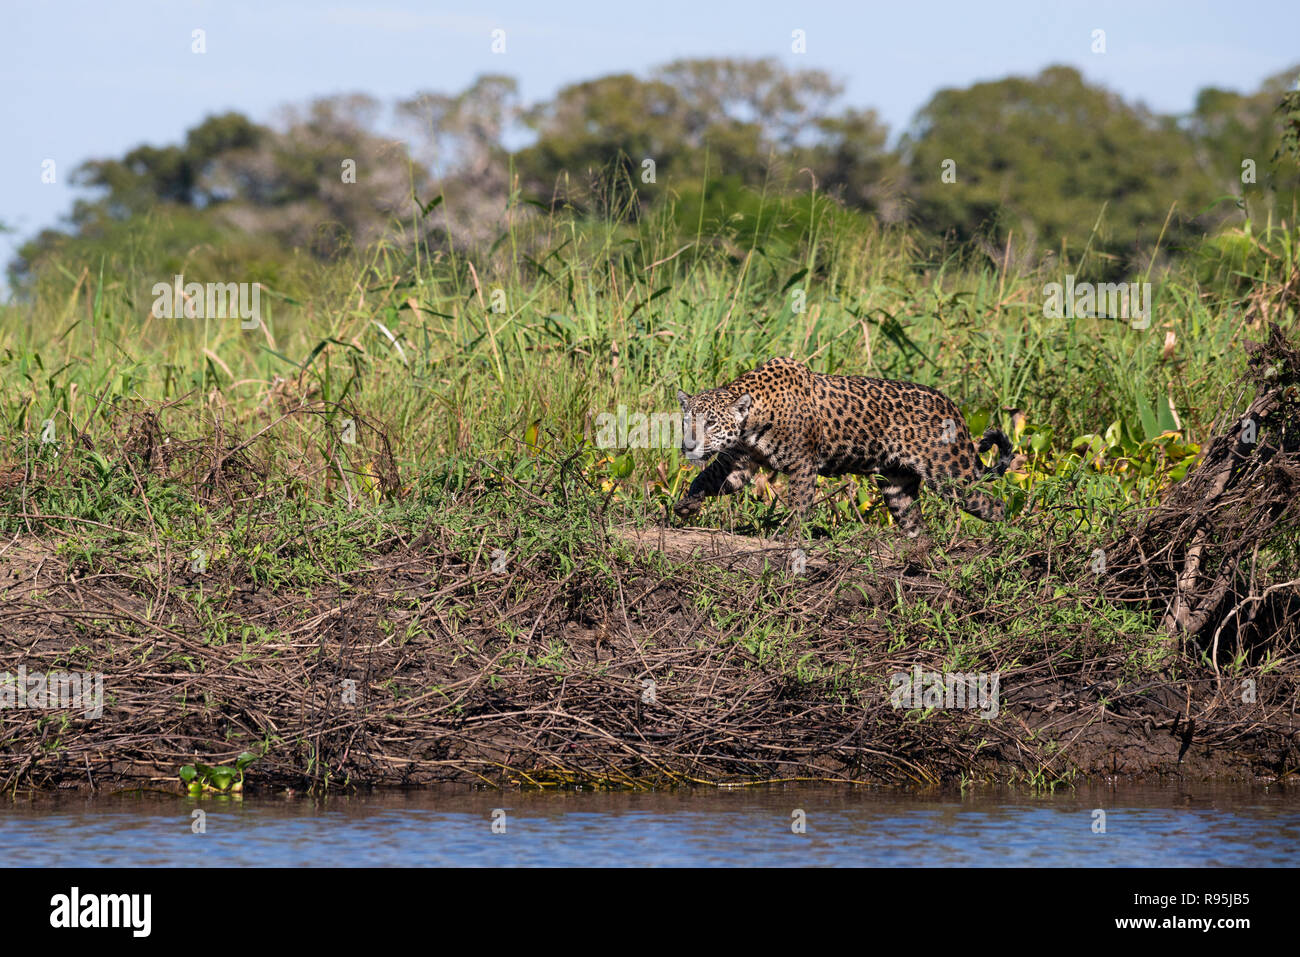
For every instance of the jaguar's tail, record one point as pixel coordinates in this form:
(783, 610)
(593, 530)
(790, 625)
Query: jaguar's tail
(991, 438)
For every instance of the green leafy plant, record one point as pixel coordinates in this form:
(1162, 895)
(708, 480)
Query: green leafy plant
(222, 779)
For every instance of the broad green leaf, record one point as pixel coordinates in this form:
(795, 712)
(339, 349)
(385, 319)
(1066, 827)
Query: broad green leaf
(222, 778)
(1165, 414)
(1150, 428)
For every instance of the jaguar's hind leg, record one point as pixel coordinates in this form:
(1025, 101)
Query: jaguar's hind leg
(984, 506)
(900, 490)
(971, 500)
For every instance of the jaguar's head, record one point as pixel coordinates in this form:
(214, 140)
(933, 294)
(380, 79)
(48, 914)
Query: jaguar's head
(712, 422)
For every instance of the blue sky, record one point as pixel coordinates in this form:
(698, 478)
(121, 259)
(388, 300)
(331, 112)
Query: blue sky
(89, 78)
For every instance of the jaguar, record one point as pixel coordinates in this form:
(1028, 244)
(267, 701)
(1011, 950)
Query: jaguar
(784, 417)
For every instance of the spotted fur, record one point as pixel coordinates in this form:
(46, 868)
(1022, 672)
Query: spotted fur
(787, 418)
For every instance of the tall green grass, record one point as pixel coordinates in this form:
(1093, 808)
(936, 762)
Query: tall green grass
(458, 353)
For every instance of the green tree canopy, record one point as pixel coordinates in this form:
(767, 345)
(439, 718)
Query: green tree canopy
(1051, 161)
(1043, 156)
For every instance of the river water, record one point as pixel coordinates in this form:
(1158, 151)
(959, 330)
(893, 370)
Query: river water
(772, 826)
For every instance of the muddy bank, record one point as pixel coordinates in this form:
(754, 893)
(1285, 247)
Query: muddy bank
(427, 666)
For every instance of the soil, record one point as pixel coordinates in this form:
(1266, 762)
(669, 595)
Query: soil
(426, 668)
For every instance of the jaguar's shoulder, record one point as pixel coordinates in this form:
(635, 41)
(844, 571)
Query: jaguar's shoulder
(777, 375)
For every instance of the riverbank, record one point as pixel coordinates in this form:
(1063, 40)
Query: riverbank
(629, 660)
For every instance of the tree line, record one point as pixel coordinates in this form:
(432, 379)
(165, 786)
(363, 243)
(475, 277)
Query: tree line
(1032, 166)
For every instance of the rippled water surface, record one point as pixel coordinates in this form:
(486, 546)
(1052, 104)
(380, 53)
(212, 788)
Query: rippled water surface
(1144, 826)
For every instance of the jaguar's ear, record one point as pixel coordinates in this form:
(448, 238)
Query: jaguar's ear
(684, 399)
(741, 405)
